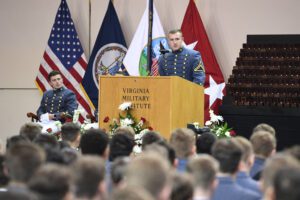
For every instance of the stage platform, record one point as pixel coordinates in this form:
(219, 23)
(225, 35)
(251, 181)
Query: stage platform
(286, 122)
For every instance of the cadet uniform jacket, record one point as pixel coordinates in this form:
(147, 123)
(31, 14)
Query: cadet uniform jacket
(58, 101)
(185, 63)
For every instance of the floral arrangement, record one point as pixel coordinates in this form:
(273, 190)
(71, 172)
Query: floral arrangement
(86, 125)
(218, 126)
(127, 120)
(140, 126)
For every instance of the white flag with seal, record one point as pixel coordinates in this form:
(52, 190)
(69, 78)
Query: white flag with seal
(135, 60)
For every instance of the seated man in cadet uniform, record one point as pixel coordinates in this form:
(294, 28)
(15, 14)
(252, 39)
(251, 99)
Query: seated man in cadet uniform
(58, 102)
(182, 62)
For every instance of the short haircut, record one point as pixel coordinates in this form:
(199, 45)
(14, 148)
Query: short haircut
(70, 131)
(46, 141)
(264, 127)
(246, 146)
(53, 73)
(175, 31)
(204, 169)
(156, 148)
(89, 172)
(24, 194)
(51, 182)
(149, 138)
(228, 153)
(118, 168)
(294, 151)
(263, 143)
(148, 171)
(131, 193)
(287, 184)
(205, 142)
(182, 186)
(120, 145)
(183, 141)
(170, 151)
(94, 141)
(16, 139)
(273, 165)
(30, 130)
(126, 130)
(22, 160)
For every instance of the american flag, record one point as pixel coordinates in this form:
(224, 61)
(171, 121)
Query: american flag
(64, 53)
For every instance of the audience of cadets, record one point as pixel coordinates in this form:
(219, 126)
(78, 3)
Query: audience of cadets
(204, 143)
(30, 130)
(181, 186)
(36, 166)
(272, 166)
(70, 134)
(204, 170)
(182, 140)
(150, 172)
(229, 154)
(287, 184)
(52, 181)
(95, 142)
(89, 178)
(243, 179)
(264, 146)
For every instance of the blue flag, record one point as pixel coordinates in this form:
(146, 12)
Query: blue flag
(107, 55)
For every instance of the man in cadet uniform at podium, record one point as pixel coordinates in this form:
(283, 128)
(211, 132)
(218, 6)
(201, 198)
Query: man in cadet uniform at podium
(182, 62)
(58, 102)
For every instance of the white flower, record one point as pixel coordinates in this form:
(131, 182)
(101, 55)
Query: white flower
(76, 115)
(58, 124)
(137, 137)
(90, 125)
(126, 122)
(140, 124)
(215, 118)
(137, 149)
(144, 131)
(125, 106)
(196, 125)
(219, 131)
(208, 123)
(227, 133)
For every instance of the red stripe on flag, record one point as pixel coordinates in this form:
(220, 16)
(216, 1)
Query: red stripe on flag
(43, 72)
(154, 67)
(41, 85)
(83, 63)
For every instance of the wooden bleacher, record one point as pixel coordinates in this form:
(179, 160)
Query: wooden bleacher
(264, 87)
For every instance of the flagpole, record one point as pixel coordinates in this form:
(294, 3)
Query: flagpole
(90, 17)
(149, 45)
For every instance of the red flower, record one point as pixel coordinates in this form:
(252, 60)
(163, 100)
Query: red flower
(232, 133)
(69, 119)
(49, 130)
(106, 119)
(143, 119)
(150, 128)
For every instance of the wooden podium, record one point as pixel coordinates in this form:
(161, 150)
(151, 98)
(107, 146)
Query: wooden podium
(167, 102)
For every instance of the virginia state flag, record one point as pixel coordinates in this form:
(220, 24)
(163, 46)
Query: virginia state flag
(107, 55)
(194, 32)
(135, 60)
